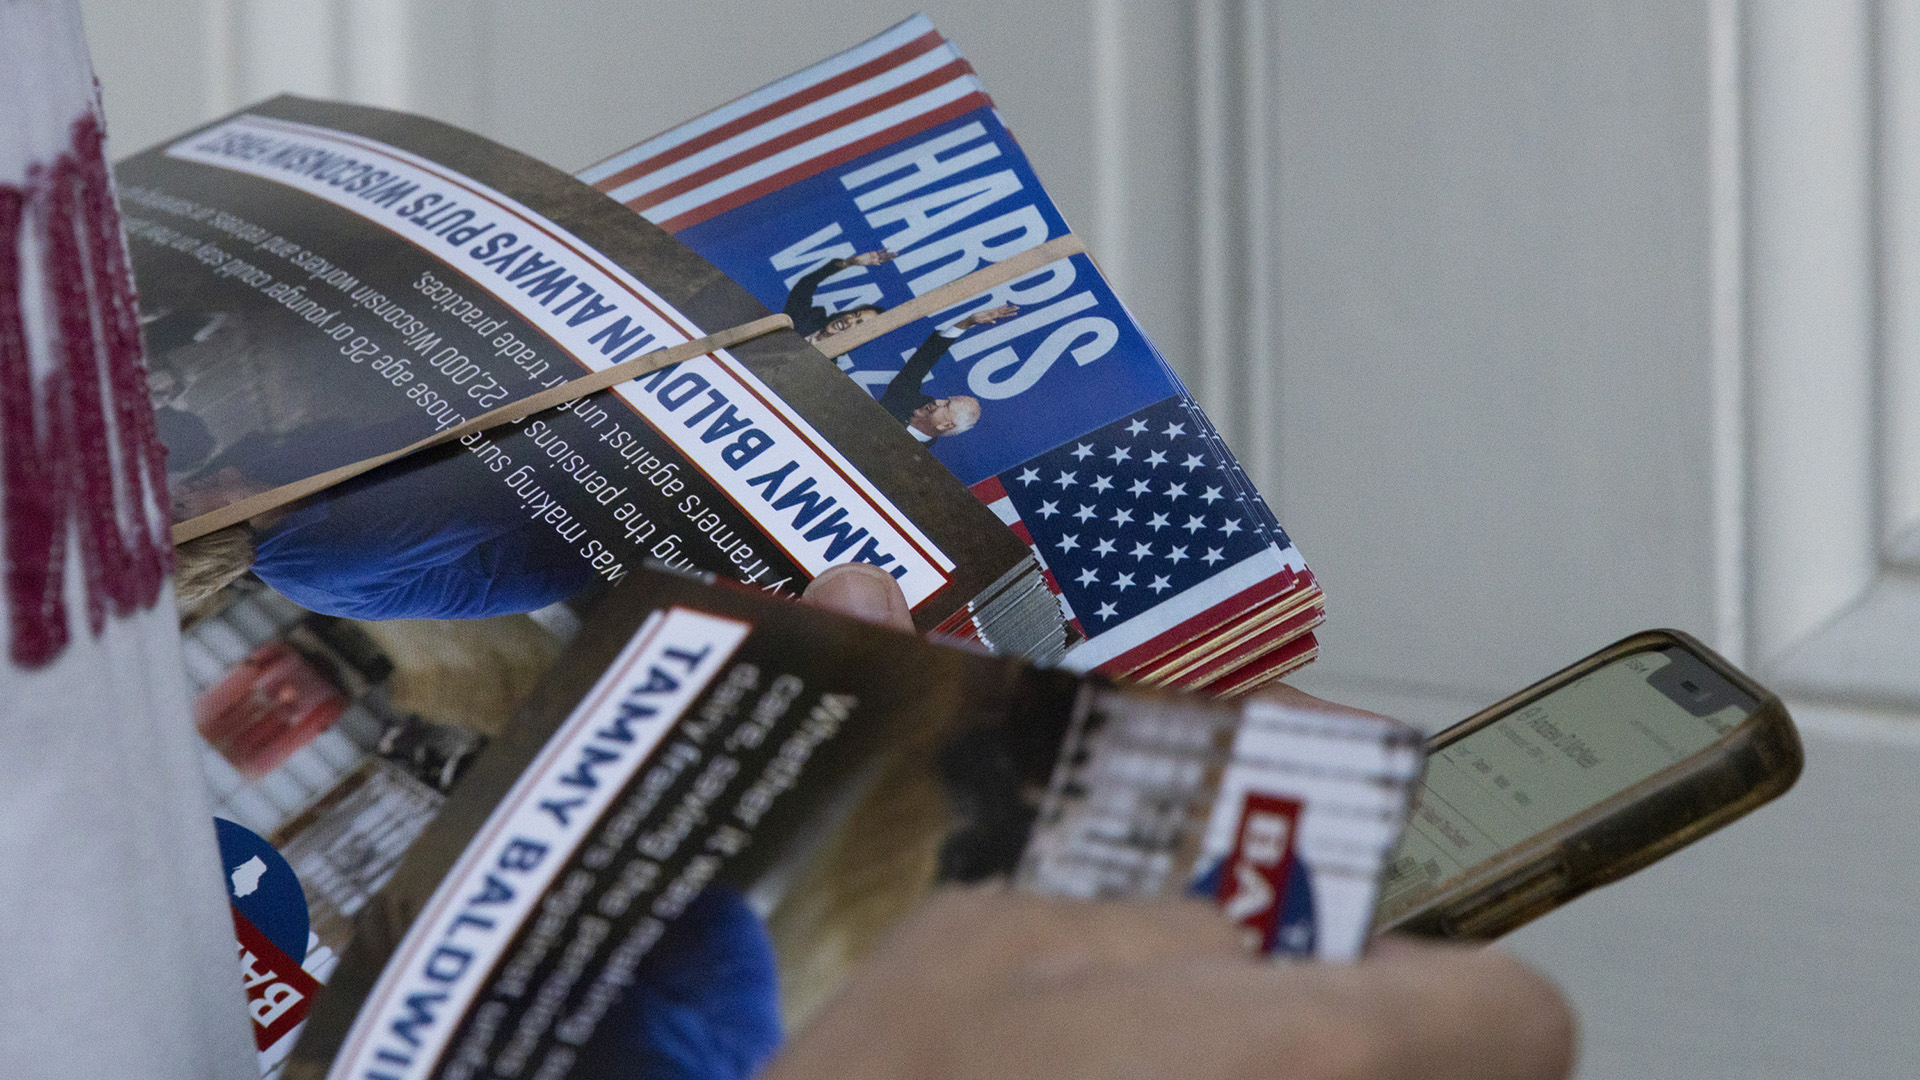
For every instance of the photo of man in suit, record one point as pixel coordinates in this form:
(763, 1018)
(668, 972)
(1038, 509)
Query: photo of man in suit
(927, 418)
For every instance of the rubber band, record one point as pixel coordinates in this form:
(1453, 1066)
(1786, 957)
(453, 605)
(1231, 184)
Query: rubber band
(981, 280)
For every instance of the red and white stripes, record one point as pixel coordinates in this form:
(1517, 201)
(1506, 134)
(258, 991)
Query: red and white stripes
(904, 81)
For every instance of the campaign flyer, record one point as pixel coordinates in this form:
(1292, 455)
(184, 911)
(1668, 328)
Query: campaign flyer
(322, 283)
(327, 745)
(885, 172)
(717, 803)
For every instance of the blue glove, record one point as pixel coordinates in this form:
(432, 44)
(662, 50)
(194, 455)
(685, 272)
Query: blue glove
(704, 1005)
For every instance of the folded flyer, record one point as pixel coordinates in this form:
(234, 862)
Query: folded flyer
(883, 173)
(718, 800)
(327, 745)
(322, 283)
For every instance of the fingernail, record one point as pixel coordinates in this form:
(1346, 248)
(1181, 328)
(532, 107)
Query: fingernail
(862, 591)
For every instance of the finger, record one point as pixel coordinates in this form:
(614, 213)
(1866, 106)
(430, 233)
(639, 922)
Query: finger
(1505, 1020)
(1035, 940)
(1282, 694)
(1455, 1016)
(1446, 1012)
(964, 955)
(1391, 947)
(862, 591)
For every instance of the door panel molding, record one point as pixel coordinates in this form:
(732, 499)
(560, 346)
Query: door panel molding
(1831, 280)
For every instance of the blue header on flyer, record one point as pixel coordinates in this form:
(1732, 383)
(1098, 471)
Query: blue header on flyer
(991, 383)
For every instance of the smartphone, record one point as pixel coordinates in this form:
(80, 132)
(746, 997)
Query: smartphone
(1579, 780)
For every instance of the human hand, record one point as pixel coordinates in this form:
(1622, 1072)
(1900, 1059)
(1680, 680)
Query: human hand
(988, 982)
(992, 983)
(872, 258)
(990, 315)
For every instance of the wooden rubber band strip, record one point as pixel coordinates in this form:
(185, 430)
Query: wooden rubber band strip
(892, 319)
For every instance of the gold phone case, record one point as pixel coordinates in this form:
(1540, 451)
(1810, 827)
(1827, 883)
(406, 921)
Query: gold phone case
(1755, 762)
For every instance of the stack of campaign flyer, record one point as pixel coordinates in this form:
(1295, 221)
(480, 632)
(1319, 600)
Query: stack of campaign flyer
(717, 801)
(873, 178)
(323, 283)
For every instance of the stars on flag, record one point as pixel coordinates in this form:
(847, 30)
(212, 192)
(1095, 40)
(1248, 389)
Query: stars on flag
(1114, 510)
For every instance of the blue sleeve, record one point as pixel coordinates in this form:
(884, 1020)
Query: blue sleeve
(704, 1004)
(471, 588)
(468, 592)
(424, 543)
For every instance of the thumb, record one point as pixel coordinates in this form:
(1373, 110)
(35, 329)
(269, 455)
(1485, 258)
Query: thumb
(862, 591)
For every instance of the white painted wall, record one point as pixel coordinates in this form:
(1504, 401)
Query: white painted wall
(1494, 331)
(1540, 324)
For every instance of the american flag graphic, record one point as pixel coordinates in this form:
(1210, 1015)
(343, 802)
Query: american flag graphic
(1141, 531)
(904, 81)
(1163, 557)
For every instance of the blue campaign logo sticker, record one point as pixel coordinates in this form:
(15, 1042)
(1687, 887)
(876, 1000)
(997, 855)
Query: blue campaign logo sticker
(262, 887)
(1292, 933)
(1262, 883)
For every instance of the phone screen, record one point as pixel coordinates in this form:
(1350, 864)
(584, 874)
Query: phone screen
(1556, 756)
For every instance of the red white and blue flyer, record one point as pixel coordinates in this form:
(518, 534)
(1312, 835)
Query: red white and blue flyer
(874, 177)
